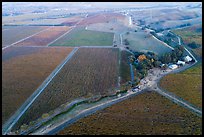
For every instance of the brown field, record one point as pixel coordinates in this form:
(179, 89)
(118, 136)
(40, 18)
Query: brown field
(187, 84)
(91, 71)
(23, 70)
(12, 34)
(101, 18)
(71, 21)
(146, 114)
(44, 38)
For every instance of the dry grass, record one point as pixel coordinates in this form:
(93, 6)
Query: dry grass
(99, 18)
(23, 70)
(146, 114)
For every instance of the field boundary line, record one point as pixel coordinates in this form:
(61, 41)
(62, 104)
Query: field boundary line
(60, 36)
(162, 42)
(178, 101)
(67, 31)
(17, 115)
(26, 38)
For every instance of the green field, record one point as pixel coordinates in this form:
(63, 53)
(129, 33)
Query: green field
(146, 114)
(187, 84)
(82, 37)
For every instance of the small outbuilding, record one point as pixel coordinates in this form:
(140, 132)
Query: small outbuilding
(173, 66)
(187, 59)
(180, 62)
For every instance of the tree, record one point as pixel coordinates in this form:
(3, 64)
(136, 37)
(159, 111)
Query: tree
(174, 57)
(157, 63)
(126, 42)
(166, 58)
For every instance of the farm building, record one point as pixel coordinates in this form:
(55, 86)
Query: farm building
(180, 62)
(187, 59)
(173, 66)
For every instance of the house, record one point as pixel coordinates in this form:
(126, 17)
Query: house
(180, 62)
(173, 66)
(187, 59)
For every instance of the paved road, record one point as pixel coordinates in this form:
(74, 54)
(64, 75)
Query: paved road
(155, 86)
(179, 101)
(54, 129)
(11, 122)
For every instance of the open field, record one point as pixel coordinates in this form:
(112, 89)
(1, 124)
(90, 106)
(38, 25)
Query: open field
(67, 21)
(167, 18)
(141, 41)
(13, 34)
(99, 18)
(82, 37)
(23, 70)
(187, 84)
(111, 26)
(90, 72)
(44, 38)
(45, 18)
(146, 114)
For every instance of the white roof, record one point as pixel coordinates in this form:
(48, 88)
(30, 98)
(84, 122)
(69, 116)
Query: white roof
(180, 62)
(173, 66)
(187, 58)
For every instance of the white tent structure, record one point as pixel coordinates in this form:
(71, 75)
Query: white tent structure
(180, 62)
(173, 66)
(187, 59)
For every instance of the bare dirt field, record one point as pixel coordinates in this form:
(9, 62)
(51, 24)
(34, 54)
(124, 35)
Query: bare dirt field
(23, 70)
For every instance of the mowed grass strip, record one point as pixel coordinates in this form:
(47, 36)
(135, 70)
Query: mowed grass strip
(82, 37)
(125, 67)
(187, 85)
(90, 72)
(23, 70)
(146, 114)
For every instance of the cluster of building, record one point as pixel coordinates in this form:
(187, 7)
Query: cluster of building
(180, 63)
